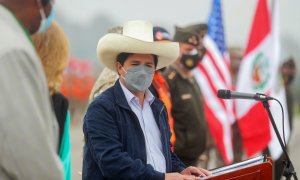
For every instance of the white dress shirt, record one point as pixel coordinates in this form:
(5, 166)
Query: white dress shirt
(155, 156)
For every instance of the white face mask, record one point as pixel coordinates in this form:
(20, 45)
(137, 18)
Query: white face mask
(138, 78)
(46, 21)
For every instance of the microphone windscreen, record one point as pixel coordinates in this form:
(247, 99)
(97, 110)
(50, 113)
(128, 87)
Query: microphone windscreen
(224, 94)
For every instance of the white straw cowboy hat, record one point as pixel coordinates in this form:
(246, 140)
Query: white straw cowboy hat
(137, 38)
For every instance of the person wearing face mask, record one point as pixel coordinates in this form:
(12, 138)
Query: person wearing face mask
(159, 86)
(28, 127)
(201, 30)
(125, 128)
(211, 148)
(187, 102)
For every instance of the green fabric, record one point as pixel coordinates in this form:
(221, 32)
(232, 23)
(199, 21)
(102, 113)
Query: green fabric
(65, 149)
(25, 31)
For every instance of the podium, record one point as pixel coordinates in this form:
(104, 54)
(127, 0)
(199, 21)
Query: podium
(252, 169)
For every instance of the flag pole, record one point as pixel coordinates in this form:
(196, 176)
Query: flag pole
(272, 8)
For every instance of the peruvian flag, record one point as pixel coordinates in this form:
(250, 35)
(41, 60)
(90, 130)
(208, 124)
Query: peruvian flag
(259, 73)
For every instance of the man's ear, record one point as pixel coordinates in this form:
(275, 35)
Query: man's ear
(118, 67)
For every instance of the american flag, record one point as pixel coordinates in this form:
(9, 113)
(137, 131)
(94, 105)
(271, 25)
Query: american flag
(213, 73)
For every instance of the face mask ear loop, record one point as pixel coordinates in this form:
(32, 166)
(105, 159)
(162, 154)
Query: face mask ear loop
(123, 70)
(42, 12)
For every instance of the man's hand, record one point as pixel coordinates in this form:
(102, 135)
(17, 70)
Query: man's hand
(198, 172)
(177, 176)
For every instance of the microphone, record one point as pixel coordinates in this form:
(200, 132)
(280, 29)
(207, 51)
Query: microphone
(227, 94)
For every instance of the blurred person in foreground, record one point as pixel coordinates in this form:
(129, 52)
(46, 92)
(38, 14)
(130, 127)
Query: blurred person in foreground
(28, 127)
(52, 47)
(187, 102)
(126, 129)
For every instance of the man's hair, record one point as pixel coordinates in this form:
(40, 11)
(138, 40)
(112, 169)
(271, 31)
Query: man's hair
(121, 58)
(45, 2)
(289, 63)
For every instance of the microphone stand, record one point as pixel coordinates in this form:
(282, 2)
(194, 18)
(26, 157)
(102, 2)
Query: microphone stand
(288, 170)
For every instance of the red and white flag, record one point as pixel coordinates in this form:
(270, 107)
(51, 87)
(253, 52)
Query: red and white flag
(258, 73)
(278, 90)
(213, 74)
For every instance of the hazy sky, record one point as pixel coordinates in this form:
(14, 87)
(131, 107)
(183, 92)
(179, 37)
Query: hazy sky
(237, 14)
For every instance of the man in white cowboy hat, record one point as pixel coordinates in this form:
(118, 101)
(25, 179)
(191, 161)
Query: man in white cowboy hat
(126, 128)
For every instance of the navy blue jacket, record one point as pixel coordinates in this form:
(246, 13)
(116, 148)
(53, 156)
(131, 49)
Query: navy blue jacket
(114, 141)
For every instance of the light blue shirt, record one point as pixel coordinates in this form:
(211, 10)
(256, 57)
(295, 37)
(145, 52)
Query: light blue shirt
(149, 126)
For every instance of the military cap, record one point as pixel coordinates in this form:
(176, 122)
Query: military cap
(197, 27)
(184, 35)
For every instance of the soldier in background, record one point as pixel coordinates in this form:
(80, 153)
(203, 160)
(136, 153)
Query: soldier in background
(211, 151)
(187, 102)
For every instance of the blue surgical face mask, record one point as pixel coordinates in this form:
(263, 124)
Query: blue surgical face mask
(138, 78)
(46, 21)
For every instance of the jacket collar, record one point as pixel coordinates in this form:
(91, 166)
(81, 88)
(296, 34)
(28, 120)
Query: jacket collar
(120, 96)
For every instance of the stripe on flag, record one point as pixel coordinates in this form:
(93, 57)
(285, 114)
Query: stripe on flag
(213, 74)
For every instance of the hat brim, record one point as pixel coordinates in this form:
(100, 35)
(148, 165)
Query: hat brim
(112, 44)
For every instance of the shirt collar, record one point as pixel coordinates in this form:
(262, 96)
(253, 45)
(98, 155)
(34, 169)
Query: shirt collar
(130, 97)
(149, 96)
